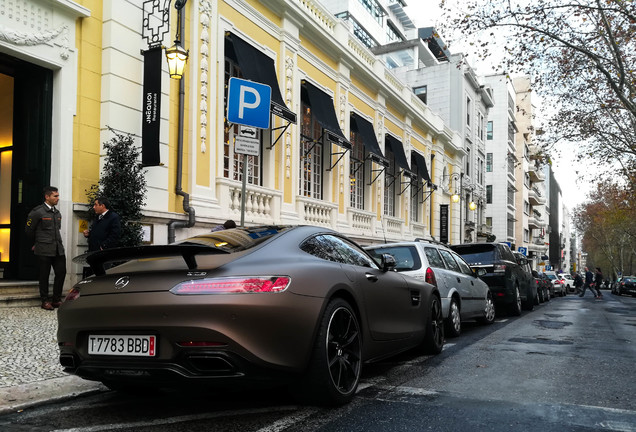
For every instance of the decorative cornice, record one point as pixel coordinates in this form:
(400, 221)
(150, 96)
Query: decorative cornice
(33, 39)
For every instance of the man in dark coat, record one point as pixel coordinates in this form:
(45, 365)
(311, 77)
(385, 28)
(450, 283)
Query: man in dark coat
(43, 228)
(105, 231)
(589, 279)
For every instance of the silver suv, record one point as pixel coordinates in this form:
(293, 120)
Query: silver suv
(464, 295)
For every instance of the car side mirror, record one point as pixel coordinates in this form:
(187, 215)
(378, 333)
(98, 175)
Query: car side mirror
(480, 272)
(388, 262)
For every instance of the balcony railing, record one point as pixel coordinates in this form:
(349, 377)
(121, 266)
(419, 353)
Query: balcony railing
(315, 212)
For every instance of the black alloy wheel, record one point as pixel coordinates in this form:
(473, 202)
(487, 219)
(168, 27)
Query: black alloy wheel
(335, 367)
(434, 339)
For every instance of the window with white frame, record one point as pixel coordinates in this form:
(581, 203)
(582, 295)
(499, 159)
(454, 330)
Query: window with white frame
(489, 131)
(488, 162)
(391, 181)
(357, 171)
(469, 107)
(311, 162)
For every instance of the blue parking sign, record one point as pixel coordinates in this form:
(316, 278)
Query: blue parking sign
(523, 250)
(248, 103)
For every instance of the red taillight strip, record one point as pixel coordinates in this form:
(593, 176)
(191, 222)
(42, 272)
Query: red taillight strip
(234, 285)
(73, 294)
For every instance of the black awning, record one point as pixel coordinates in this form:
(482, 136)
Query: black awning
(260, 68)
(419, 164)
(323, 109)
(398, 150)
(365, 129)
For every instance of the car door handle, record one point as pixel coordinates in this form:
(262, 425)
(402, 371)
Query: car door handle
(371, 277)
(459, 280)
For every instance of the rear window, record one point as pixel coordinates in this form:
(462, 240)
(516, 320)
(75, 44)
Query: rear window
(406, 257)
(477, 253)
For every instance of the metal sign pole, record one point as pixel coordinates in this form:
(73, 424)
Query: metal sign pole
(243, 187)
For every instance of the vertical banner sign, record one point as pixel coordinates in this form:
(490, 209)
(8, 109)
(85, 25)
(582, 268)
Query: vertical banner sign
(151, 107)
(443, 223)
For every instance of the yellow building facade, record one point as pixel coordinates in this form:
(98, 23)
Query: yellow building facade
(364, 155)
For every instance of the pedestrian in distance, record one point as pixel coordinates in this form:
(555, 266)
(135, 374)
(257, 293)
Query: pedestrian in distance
(43, 229)
(589, 279)
(598, 282)
(578, 282)
(228, 224)
(105, 230)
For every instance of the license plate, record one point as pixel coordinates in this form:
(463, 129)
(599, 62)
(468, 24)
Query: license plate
(143, 346)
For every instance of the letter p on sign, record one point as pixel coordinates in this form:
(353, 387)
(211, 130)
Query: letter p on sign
(249, 103)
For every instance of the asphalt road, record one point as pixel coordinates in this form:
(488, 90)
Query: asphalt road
(566, 366)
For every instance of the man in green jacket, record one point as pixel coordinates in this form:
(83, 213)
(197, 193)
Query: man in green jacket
(43, 228)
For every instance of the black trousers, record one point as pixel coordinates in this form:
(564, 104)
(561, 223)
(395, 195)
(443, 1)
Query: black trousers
(58, 263)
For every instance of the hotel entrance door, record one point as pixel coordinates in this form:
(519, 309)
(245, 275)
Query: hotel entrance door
(25, 158)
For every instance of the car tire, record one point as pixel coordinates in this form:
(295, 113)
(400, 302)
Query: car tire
(336, 363)
(434, 339)
(537, 298)
(489, 311)
(454, 320)
(528, 304)
(515, 307)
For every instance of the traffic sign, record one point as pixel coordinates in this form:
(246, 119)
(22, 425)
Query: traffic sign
(248, 146)
(523, 250)
(248, 103)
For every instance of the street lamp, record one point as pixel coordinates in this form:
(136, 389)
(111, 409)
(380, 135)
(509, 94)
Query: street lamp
(176, 55)
(472, 205)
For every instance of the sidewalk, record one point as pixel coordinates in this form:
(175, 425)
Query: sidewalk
(30, 373)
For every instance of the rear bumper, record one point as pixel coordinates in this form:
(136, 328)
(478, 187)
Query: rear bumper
(501, 291)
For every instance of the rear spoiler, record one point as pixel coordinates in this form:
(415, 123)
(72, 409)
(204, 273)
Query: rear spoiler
(188, 252)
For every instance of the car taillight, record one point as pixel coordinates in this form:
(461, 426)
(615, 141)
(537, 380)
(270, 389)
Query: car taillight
(73, 294)
(558, 281)
(499, 268)
(430, 277)
(233, 285)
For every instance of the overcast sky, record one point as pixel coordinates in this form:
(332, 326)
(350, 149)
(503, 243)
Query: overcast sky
(426, 13)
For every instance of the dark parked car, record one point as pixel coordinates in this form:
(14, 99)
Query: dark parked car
(508, 283)
(542, 285)
(464, 296)
(626, 285)
(299, 305)
(528, 279)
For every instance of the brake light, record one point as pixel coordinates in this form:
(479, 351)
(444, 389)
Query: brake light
(499, 268)
(430, 277)
(234, 285)
(73, 294)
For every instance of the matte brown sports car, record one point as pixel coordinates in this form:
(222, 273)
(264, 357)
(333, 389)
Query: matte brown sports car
(301, 305)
